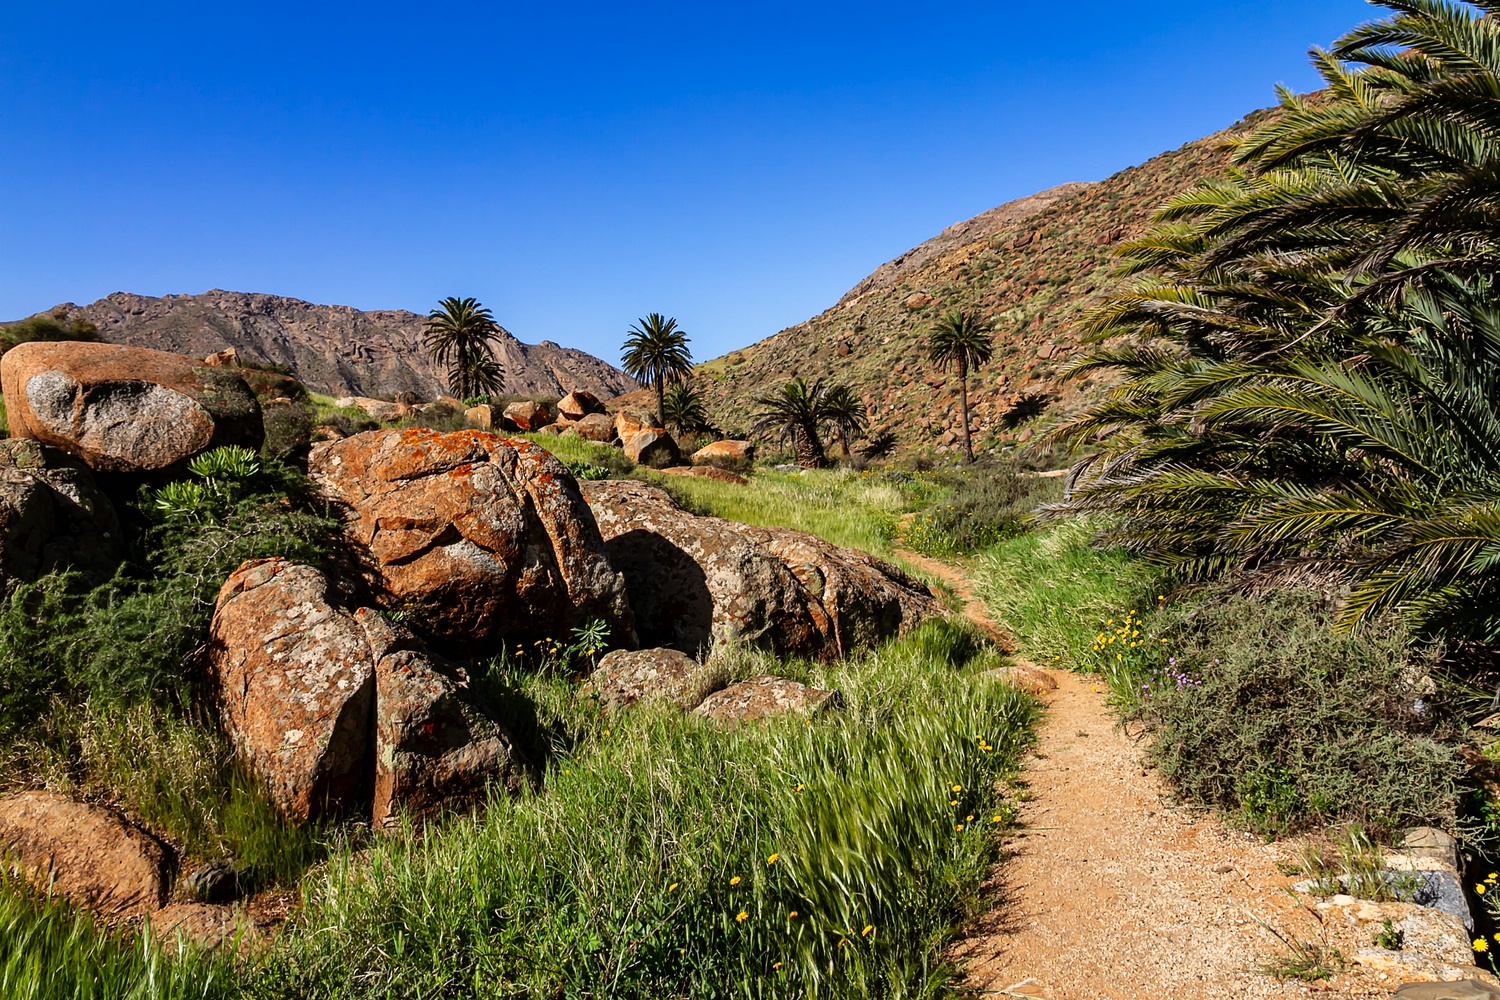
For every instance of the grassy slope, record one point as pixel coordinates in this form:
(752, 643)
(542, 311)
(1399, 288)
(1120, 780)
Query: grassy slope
(1037, 295)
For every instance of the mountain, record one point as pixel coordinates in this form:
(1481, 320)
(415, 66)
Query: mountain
(333, 349)
(1035, 267)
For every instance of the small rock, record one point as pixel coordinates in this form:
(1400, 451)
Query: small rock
(625, 677)
(1467, 989)
(596, 427)
(763, 698)
(87, 854)
(1025, 675)
(205, 924)
(212, 882)
(1224, 868)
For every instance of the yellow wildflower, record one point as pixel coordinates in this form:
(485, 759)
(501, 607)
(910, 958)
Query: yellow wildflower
(1480, 944)
(735, 881)
(997, 819)
(741, 917)
(773, 859)
(672, 887)
(1480, 888)
(793, 915)
(867, 930)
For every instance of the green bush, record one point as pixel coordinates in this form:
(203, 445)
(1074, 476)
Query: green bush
(1258, 708)
(985, 505)
(131, 640)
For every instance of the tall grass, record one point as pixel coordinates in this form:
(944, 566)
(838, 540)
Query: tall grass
(857, 509)
(49, 951)
(1054, 588)
(667, 858)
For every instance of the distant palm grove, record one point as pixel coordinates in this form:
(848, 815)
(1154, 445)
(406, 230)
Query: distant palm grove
(1311, 356)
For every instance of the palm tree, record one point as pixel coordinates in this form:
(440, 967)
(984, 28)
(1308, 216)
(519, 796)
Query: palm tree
(962, 339)
(683, 408)
(459, 333)
(797, 412)
(845, 413)
(656, 353)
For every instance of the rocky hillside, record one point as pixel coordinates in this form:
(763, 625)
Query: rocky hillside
(1035, 267)
(334, 349)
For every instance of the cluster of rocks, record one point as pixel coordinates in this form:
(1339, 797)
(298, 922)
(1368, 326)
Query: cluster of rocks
(667, 676)
(345, 694)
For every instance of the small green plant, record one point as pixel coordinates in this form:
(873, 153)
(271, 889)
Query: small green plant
(1389, 937)
(588, 470)
(223, 476)
(1359, 870)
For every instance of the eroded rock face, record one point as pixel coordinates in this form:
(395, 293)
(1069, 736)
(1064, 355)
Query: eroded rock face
(579, 404)
(628, 422)
(624, 677)
(726, 454)
(764, 698)
(477, 538)
(653, 447)
(481, 417)
(436, 747)
(88, 854)
(125, 409)
(696, 582)
(295, 686)
(53, 516)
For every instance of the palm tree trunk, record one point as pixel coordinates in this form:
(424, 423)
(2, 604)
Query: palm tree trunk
(661, 402)
(809, 448)
(963, 408)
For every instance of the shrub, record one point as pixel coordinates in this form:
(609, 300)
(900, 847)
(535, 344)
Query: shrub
(288, 429)
(987, 503)
(1259, 708)
(132, 639)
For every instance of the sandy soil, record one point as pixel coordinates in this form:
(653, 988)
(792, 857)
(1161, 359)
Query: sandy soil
(958, 581)
(1110, 893)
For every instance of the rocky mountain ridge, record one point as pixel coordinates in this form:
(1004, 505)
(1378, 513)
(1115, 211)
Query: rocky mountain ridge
(1035, 267)
(334, 349)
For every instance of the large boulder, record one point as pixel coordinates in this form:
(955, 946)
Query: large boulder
(696, 582)
(53, 516)
(624, 677)
(653, 447)
(436, 747)
(732, 455)
(381, 410)
(527, 416)
(475, 538)
(125, 409)
(481, 417)
(628, 422)
(295, 686)
(87, 854)
(578, 404)
(595, 427)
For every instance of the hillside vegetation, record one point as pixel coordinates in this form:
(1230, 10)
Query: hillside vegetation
(1036, 268)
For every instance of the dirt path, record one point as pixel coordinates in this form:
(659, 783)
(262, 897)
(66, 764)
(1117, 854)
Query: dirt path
(1110, 893)
(958, 581)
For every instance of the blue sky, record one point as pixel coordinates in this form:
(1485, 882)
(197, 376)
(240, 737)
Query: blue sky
(576, 165)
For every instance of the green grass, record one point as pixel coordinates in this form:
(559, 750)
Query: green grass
(1054, 589)
(49, 951)
(662, 857)
(626, 875)
(858, 509)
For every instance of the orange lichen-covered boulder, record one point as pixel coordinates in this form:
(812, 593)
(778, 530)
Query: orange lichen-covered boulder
(476, 538)
(295, 686)
(726, 454)
(125, 409)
